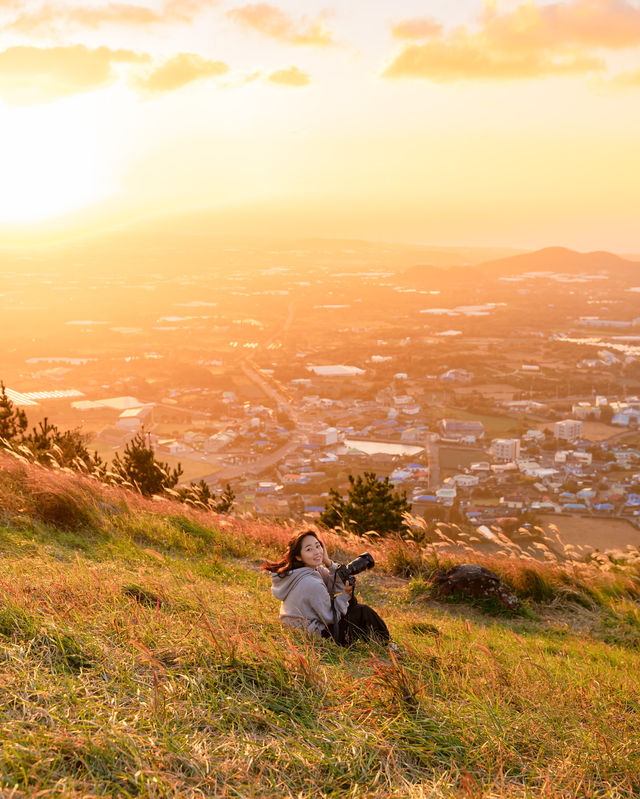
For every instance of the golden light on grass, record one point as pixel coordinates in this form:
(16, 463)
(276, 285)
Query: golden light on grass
(149, 626)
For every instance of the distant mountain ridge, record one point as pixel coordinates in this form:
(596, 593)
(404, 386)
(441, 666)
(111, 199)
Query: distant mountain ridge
(548, 259)
(558, 259)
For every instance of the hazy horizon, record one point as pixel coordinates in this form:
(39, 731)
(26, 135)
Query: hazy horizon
(75, 230)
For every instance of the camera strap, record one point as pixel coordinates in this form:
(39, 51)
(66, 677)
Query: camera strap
(334, 611)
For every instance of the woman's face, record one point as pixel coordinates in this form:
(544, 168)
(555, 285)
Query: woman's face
(311, 551)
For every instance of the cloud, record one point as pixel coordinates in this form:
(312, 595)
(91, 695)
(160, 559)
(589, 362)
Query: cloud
(529, 40)
(30, 75)
(52, 16)
(292, 76)
(421, 28)
(457, 60)
(272, 21)
(183, 68)
(626, 80)
(610, 24)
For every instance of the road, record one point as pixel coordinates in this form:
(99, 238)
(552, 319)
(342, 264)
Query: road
(272, 389)
(256, 467)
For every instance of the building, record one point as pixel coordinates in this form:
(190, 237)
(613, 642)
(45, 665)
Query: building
(461, 428)
(568, 429)
(412, 434)
(324, 438)
(483, 467)
(219, 440)
(506, 450)
(465, 480)
(133, 419)
(113, 403)
(513, 502)
(584, 410)
(457, 376)
(446, 496)
(625, 457)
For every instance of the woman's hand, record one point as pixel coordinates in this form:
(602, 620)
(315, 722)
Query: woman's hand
(348, 588)
(326, 560)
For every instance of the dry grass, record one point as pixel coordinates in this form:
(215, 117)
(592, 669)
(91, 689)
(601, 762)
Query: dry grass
(141, 656)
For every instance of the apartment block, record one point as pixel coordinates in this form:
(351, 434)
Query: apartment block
(568, 429)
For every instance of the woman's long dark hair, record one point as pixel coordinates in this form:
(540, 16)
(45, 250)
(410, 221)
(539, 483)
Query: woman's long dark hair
(291, 557)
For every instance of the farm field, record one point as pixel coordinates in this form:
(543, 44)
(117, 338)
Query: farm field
(192, 469)
(602, 534)
(503, 392)
(495, 426)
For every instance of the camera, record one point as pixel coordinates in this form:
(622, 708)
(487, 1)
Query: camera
(360, 564)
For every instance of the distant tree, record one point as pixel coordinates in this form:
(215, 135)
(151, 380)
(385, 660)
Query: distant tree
(197, 493)
(371, 504)
(224, 502)
(598, 453)
(52, 447)
(139, 466)
(13, 421)
(201, 494)
(549, 444)
(606, 414)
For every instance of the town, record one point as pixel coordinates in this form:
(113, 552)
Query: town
(487, 385)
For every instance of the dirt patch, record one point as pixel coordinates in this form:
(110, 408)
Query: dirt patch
(497, 391)
(602, 534)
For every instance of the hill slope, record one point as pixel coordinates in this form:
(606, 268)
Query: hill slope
(559, 259)
(141, 655)
(548, 259)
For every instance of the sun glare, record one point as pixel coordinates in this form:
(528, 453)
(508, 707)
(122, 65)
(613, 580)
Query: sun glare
(49, 162)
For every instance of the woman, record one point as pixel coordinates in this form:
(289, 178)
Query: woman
(314, 598)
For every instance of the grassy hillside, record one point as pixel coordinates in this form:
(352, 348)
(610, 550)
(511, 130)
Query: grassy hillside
(141, 655)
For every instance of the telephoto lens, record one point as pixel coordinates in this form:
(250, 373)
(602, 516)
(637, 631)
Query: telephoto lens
(360, 564)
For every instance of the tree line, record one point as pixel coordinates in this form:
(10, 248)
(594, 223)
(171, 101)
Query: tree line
(370, 506)
(137, 468)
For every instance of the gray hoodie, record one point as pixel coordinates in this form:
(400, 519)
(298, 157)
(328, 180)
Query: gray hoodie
(306, 600)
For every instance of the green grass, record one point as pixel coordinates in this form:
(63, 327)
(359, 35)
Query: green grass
(141, 656)
(494, 426)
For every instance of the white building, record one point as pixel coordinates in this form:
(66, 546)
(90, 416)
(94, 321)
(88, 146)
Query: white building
(133, 419)
(568, 429)
(506, 450)
(625, 457)
(324, 438)
(219, 440)
(465, 480)
(446, 496)
(483, 467)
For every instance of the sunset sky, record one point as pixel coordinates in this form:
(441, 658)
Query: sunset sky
(496, 123)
